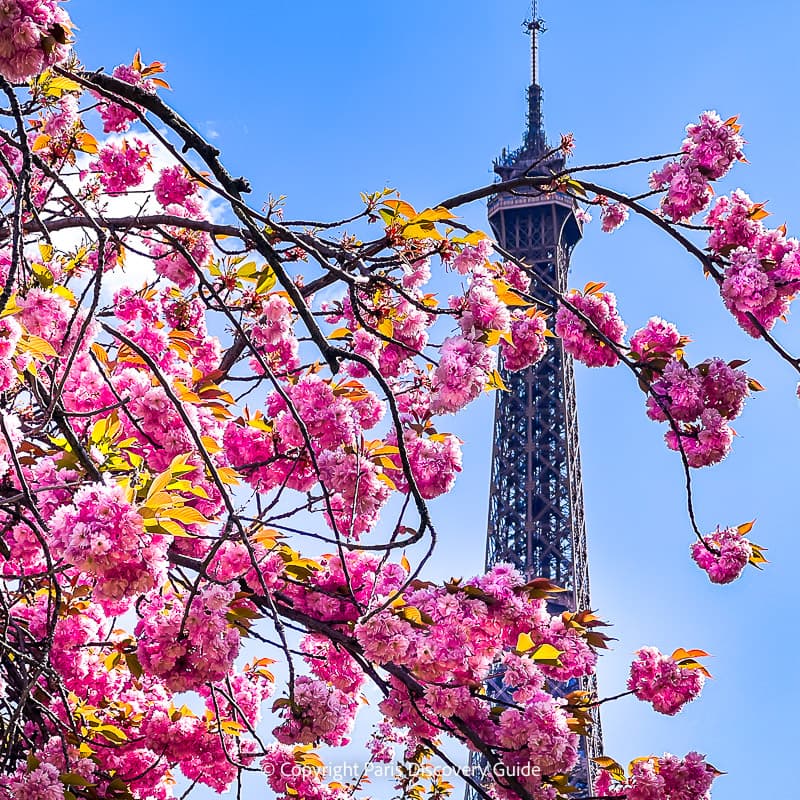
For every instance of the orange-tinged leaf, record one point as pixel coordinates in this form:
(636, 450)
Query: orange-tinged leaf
(228, 476)
(58, 84)
(400, 207)
(475, 237)
(86, 142)
(404, 563)
(433, 215)
(495, 382)
(594, 287)
(339, 333)
(507, 295)
(112, 733)
(746, 527)
(186, 515)
(757, 211)
(385, 327)
(690, 663)
(610, 765)
(493, 337)
(172, 528)
(681, 653)
(422, 230)
(384, 478)
(37, 346)
(40, 142)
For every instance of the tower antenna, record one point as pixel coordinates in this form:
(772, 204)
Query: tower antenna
(534, 26)
(535, 136)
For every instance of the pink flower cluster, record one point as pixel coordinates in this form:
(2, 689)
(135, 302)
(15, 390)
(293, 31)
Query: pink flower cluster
(665, 778)
(174, 186)
(762, 273)
(171, 262)
(319, 713)
(462, 373)
(528, 344)
(657, 340)
(122, 166)
(709, 151)
(435, 460)
(723, 554)
(33, 36)
(40, 777)
(663, 682)
(612, 216)
(10, 334)
(700, 401)
(273, 336)
(449, 638)
(473, 258)
(100, 534)
(579, 339)
(117, 118)
(187, 647)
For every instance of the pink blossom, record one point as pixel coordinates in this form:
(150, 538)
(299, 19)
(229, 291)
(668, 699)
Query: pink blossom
(709, 150)
(579, 339)
(680, 394)
(117, 118)
(665, 778)
(724, 387)
(732, 223)
(472, 258)
(612, 216)
(713, 145)
(658, 339)
(661, 681)
(435, 462)
(528, 344)
(705, 443)
(33, 36)
(320, 712)
(187, 648)
(174, 186)
(171, 262)
(464, 367)
(723, 554)
(122, 166)
(102, 535)
(356, 493)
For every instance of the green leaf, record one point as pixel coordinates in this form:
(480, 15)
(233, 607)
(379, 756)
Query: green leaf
(73, 779)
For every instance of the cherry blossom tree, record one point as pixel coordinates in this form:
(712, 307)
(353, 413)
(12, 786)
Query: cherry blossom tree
(209, 477)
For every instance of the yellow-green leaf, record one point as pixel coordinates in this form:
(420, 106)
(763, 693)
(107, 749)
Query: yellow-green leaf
(547, 654)
(524, 643)
(614, 767)
(186, 514)
(496, 382)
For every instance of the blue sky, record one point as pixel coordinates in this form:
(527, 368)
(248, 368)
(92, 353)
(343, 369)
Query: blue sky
(319, 101)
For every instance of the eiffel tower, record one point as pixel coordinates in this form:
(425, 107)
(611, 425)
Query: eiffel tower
(536, 516)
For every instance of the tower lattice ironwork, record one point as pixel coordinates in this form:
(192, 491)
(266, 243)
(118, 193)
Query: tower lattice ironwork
(536, 515)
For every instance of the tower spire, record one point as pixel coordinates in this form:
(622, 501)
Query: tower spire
(535, 140)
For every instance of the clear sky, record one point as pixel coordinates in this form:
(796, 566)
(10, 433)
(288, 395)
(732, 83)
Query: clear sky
(319, 101)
